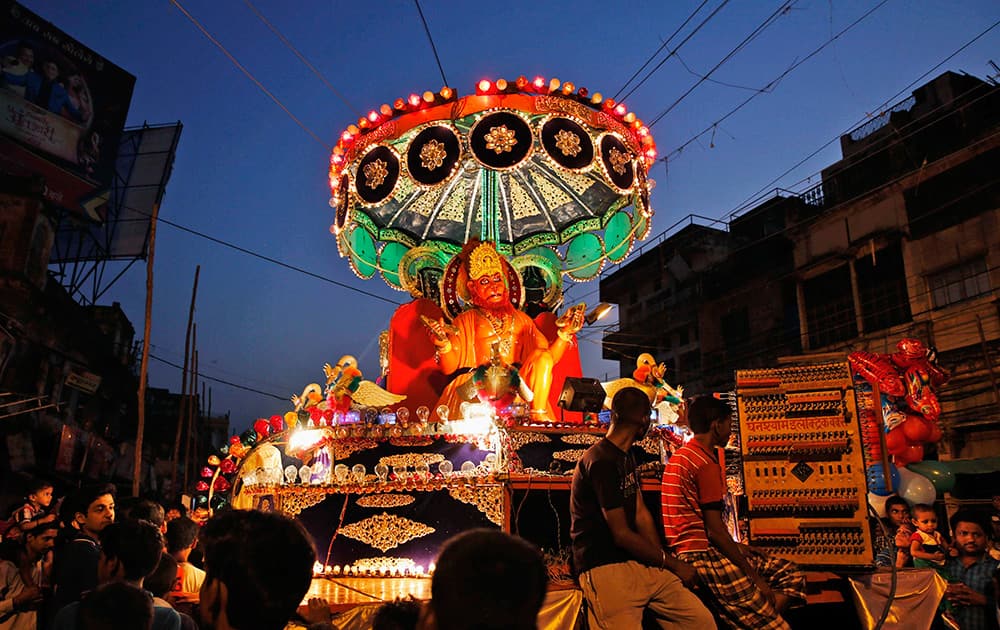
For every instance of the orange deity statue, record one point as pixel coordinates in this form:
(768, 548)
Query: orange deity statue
(493, 325)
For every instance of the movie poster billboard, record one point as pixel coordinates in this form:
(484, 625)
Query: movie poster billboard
(62, 110)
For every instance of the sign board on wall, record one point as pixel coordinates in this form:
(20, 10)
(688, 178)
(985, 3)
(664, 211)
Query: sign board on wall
(62, 110)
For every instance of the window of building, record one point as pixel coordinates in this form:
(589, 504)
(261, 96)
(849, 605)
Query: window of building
(954, 196)
(691, 364)
(736, 328)
(882, 288)
(682, 337)
(958, 283)
(829, 307)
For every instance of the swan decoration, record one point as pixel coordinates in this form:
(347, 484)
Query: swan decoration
(345, 388)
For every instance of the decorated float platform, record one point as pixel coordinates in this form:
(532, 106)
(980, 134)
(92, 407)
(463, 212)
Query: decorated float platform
(481, 207)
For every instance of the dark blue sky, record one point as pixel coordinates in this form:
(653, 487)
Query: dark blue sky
(247, 173)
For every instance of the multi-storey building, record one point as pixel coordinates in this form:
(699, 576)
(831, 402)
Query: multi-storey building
(900, 239)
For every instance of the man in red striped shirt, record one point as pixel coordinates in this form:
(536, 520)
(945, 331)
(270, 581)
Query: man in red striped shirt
(750, 589)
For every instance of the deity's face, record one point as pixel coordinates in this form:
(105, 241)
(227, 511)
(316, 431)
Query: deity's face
(489, 291)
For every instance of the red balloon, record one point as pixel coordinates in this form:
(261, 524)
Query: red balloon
(910, 455)
(261, 427)
(227, 466)
(277, 424)
(201, 486)
(935, 435)
(315, 415)
(328, 417)
(895, 441)
(221, 484)
(234, 439)
(206, 472)
(916, 429)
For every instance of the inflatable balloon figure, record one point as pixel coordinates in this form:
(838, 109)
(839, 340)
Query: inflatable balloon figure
(905, 382)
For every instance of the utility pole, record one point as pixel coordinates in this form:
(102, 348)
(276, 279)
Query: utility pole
(144, 364)
(184, 377)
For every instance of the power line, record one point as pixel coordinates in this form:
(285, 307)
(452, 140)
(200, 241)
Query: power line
(925, 116)
(674, 51)
(887, 103)
(302, 58)
(770, 86)
(660, 49)
(870, 191)
(753, 342)
(219, 380)
(249, 75)
(771, 19)
(431, 40)
(269, 259)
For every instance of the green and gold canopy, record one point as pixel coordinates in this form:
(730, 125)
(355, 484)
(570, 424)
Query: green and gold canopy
(555, 178)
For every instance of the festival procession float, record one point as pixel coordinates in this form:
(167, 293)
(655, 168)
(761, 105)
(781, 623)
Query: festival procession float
(480, 207)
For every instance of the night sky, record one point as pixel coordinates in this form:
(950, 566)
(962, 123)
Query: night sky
(248, 174)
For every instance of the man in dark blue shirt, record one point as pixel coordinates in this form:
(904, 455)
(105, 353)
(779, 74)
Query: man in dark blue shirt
(971, 593)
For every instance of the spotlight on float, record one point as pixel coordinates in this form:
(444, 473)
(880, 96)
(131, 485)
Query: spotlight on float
(599, 312)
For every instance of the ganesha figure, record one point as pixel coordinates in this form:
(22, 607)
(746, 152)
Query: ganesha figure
(493, 329)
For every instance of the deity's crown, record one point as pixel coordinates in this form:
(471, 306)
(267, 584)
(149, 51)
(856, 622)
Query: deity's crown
(484, 261)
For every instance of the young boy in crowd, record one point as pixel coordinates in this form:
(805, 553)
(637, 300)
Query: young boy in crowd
(34, 511)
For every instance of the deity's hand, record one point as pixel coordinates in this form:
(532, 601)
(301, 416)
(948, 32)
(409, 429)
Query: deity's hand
(570, 322)
(439, 332)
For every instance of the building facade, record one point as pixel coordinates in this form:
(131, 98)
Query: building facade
(900, 239)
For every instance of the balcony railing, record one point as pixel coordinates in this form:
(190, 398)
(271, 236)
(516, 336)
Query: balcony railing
(873, 125)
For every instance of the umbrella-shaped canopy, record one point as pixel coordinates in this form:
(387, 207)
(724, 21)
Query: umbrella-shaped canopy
(555, 178)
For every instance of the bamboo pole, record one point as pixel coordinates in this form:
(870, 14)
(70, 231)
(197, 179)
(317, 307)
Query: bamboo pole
(144, 363)
(192, 406)
(184, 375)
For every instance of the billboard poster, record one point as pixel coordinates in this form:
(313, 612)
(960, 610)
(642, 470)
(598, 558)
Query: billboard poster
(62, 110)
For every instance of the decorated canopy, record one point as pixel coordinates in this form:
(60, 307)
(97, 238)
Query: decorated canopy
(555, 177)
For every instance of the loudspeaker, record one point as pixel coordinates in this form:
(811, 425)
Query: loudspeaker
(582, 394)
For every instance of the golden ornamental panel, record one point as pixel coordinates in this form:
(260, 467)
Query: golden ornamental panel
(385, 500)
(386, 531)
(581, 438)
(521, 438)
(572, 455)
(415, 440)
(650, 444)
(486, 499)
(342, 449)
(300, 498)
(411, 459)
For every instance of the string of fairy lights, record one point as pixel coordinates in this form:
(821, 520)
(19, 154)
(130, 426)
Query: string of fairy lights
(782, 9)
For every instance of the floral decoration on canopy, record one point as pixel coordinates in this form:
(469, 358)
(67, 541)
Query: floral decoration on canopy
(543, 169)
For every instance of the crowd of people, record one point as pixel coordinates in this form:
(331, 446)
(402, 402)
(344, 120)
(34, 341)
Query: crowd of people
(692, 574)
(88, 562)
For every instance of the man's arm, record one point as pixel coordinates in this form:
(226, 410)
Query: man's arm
(719, 537)
(643, 549)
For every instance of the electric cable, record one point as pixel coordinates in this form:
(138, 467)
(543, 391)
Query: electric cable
(250, 75)
(771, 19)
(431, 40)
(302, 58)
(660, 49)
(265, 258)
(678, 47)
